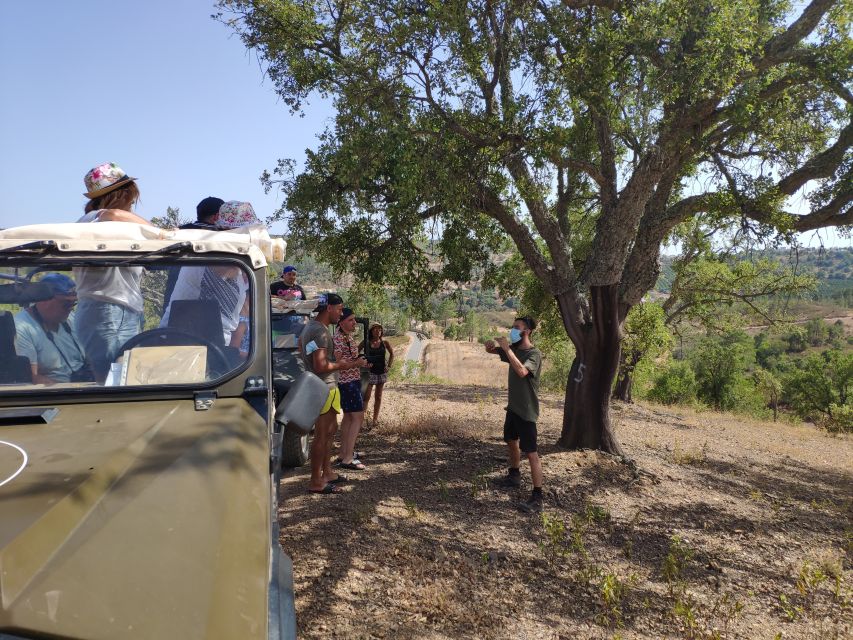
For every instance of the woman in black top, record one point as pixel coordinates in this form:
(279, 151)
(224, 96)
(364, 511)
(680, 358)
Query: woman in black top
(380, 355)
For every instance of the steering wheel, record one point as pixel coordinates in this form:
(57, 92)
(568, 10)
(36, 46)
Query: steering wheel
(218, 362)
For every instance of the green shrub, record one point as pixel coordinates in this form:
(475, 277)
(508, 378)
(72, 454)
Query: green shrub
(719, 365)
(558, 363)
(839, 420)
(820, 384)
(676, 385)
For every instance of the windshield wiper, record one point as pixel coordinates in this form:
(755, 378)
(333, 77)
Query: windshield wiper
(39, 246)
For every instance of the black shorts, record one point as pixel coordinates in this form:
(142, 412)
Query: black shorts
(517, 429)
(351, 400)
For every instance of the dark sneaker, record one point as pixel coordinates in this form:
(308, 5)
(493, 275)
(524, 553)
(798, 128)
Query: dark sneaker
(508, 481)
(532, 505)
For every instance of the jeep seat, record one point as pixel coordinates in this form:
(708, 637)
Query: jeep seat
(14, 369)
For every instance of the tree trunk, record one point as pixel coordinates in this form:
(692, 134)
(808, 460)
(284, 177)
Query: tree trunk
(622, 390)
(625, 377)
(586, 415)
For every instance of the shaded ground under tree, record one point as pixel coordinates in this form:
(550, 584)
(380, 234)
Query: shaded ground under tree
(422, 546)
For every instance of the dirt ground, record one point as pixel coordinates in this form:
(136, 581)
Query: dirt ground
(463, 363)
(735, 529)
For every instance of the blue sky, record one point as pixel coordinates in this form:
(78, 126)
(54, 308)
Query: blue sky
(158, 87)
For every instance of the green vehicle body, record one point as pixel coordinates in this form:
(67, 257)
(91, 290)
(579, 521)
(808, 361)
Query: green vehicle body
(145, 511)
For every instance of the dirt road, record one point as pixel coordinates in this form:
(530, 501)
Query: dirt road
(464, 363)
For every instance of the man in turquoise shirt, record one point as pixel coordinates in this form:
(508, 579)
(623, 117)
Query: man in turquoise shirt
(44, 335)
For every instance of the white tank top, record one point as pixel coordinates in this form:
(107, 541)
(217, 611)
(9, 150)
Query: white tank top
(119, 285)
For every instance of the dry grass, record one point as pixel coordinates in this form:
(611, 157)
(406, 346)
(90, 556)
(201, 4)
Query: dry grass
(745, 533)
(400, 344)
(464, 363)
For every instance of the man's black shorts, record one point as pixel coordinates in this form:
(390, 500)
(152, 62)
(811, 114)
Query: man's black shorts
(517, 429)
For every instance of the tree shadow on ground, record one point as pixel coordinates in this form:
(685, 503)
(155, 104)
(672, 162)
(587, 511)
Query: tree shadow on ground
(426, 508)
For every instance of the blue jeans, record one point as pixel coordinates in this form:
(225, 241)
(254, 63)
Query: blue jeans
(103, 327)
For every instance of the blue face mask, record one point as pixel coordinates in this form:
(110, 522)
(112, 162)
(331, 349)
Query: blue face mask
(514, 335)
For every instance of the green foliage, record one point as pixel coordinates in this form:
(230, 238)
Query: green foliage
(646, 337)
(171, 220)
(769, 387)
(414, 180)
(720, 294)
(646, 332)
(377, 304)
(675, 562)
(819, 389)
(719, 365)
(676, 385)
(797, 341)
(839, 418)
(817, 332)
(830, 269)
(585, 134)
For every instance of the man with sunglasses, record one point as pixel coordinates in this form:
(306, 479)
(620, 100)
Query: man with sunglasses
(44, 335)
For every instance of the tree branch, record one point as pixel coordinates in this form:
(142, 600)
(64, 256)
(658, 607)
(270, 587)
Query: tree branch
(821, 166)
(783, 45)
(612, 5)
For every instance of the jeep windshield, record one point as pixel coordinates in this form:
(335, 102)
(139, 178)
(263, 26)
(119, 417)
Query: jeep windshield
(115, 322)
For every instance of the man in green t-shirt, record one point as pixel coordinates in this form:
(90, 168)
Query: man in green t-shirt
(522, 411)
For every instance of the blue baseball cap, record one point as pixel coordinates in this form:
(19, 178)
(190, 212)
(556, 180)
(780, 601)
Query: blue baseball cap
(288, 269)
(61, 284)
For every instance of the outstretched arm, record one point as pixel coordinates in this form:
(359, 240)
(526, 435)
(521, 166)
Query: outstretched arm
(520, 370)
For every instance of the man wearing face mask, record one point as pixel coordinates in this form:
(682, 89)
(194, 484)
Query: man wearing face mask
(522, 411)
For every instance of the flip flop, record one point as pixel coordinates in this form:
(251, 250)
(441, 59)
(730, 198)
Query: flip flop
(327, 490)
(355, 465)
(357, 455)
(341, 479)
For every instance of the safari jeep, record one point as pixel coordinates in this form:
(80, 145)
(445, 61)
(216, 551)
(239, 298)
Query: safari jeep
(143, 504)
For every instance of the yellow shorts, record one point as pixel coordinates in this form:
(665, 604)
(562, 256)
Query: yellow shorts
(333, 402)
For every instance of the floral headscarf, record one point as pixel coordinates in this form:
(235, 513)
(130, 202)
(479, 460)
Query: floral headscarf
(234, 214)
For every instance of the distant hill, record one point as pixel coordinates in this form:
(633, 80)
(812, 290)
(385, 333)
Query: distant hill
(833, 269)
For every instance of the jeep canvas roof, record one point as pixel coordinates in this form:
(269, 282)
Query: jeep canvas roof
(108, 237)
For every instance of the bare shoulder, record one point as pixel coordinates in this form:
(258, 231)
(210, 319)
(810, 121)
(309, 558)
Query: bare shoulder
(120, 215)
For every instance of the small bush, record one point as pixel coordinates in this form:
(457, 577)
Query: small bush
(676, 385)
(840, 419)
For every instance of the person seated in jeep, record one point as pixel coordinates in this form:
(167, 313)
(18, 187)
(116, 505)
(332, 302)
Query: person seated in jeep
(287, 287)
(46, 337)
(227, 286)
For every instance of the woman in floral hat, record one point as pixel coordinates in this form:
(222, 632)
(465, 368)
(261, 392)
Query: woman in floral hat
(110, 306)
(112, 193)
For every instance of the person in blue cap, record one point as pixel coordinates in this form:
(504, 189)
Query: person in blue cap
(287, 287)
(44, 335)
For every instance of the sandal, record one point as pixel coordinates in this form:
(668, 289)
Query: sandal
(341, 479)
(355, 465)
(327, 490)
